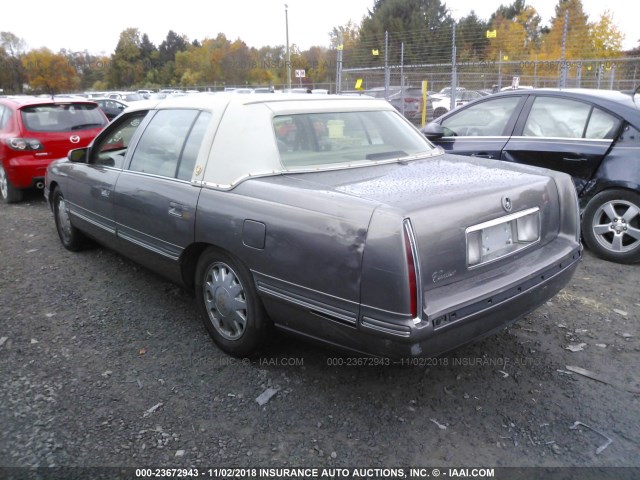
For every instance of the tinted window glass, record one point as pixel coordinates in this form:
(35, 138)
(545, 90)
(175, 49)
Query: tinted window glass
(160, 147)
(5, 114)
(62, 117)
(557, 117)
(190, 153)
(602, 125)
(328, 138)
(486, 119)
(111, 149)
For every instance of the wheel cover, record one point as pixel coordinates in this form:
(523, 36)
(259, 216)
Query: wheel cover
(64, 221)
(616, 226)
(225, 301)
(4, 186)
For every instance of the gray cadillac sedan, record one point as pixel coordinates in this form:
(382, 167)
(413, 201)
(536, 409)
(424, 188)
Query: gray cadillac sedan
(329, 217)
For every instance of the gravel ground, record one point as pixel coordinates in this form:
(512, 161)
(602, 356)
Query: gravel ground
(105, 364)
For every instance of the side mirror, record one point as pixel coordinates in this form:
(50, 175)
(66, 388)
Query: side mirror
(433, 131)
(78, 155)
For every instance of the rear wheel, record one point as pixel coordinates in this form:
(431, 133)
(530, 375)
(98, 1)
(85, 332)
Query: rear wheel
(229, 306)
(71, 238)
(8, 193)
(611, 226)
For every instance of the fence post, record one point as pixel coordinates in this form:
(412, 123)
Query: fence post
(454, 72)
(500, 70)
(579, 75)
(563, 71)
(386, 65)
(612, 76)
(339, 64)
(402, 78)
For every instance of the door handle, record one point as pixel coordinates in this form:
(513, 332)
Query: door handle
(574, 159)
(482, 155)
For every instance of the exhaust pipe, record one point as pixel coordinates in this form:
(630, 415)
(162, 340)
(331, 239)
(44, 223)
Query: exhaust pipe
(40, 185)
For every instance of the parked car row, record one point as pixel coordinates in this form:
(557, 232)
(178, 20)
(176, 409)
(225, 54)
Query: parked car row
(407, 100)
(591, 135)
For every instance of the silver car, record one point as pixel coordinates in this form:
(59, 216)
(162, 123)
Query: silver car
(325, 216)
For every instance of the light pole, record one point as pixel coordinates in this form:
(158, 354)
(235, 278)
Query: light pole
(286, 20)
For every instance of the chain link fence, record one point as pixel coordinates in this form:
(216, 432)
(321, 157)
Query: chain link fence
(618, 74)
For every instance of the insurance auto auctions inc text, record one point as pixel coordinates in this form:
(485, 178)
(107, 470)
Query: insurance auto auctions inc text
(349, 473)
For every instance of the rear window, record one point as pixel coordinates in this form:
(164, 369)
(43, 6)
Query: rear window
(62, 117)
(346, 137)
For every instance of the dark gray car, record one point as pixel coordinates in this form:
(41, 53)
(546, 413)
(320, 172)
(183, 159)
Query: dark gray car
(329, 217)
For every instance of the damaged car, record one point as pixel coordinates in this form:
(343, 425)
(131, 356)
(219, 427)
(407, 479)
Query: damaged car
(328, 217)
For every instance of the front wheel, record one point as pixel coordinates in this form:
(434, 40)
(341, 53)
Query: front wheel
(8, 193)
(611, 226)
(71, 238)
(229, 306)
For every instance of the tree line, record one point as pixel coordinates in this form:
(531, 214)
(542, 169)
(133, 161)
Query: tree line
(411, 31)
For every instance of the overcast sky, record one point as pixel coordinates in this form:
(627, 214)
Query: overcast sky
(80, 25)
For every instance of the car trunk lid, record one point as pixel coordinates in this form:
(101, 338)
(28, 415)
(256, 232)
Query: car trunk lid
(448, 199)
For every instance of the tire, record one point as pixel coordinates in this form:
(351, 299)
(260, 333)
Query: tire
(72, 239)
(230, 308)
(611, 226)
(8, 193)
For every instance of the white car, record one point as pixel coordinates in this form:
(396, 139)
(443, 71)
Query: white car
(443, 104)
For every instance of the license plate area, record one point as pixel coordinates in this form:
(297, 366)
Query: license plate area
(504, 236)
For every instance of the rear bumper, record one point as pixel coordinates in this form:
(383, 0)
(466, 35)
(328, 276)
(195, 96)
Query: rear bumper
(452, 325)
(450, 322)
(26, 171)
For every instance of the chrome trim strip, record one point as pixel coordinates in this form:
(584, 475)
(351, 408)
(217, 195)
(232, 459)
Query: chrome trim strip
(288, 297)
(505, 219)
(561, 139)
(476, 138)
(379, 326)
(91, 221)
(142, 244)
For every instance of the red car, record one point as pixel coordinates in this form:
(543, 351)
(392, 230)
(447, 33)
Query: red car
(35, 131)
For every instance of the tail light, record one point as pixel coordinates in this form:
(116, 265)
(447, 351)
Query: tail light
(412, 267)
(22, 144)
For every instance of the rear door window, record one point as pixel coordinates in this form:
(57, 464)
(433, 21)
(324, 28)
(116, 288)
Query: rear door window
(563, 118)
